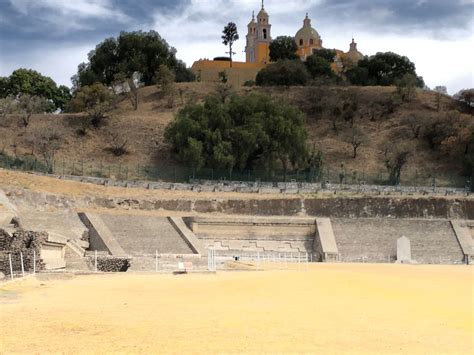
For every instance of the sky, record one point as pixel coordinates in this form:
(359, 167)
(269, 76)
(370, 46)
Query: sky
(55, 36)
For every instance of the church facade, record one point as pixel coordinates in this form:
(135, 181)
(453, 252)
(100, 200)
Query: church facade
(257, 50)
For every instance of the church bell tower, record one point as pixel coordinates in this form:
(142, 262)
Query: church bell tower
(259, 38)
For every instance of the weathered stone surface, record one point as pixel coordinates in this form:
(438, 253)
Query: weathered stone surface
(205, 206)
(375, 240)
(271, 207)
(368, 207)
(174, 205)
(403, 250)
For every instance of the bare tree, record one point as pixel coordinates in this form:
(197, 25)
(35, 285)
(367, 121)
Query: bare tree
(118, 144)
(129, 85)
(29, 105)
(356, 138)
(334, 117)
(415, 123)
(46, 142)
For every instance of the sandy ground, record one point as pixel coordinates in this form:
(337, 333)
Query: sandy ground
(329, 309)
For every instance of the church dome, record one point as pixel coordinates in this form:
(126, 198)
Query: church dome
(307, 34)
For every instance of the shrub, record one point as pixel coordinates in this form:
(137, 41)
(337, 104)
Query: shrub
(285, 72)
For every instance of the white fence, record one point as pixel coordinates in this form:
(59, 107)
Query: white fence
(15, 264)
(258, 261)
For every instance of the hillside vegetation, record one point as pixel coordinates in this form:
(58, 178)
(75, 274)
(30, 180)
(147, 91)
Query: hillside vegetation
(336, 117)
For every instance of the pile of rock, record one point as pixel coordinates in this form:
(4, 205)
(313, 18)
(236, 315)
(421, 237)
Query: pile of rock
(21, 243)
(113, 264)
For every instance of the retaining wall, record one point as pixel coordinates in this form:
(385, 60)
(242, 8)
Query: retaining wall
(323, 206)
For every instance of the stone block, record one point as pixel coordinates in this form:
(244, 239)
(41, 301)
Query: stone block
(403, 250)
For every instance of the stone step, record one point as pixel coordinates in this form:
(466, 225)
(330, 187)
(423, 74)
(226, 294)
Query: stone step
(75, 248)
(79, 264)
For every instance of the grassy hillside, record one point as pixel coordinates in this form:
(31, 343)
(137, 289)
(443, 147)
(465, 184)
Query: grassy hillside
(382, 122)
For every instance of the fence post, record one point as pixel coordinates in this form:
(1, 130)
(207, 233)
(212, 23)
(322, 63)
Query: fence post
(156, 260)
(22, 266)
(11, 266)
(95, 260)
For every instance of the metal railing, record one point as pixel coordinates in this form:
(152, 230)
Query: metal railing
(183, 174)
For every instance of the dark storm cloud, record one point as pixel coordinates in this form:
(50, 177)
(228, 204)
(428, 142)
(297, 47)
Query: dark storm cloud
(58, 19)
(433, 16)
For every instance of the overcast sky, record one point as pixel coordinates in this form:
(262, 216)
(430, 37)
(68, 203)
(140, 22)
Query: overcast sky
(54, 36)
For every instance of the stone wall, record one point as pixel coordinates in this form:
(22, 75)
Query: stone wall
(323, 206)
(375, 240)
(272, 187)
(252, 235)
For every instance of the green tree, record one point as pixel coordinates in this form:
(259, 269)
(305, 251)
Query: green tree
(223, 77)
(96, 100)
(358, 76)
(230, 35)
(466, 99)
(383, 69)
(395, 158)
(240, 133)
(165, 79)
(30, 82)
(7, 106)
(129, 53)
(4, 87)
(284, 72)
(406, 87)
(318, 66)
(283, 47)
(328, 54)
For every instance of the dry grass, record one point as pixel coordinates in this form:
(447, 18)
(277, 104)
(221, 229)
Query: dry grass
(330, 309)
(144, 128)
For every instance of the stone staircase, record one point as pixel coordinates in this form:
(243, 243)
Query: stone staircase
(375, 240)
(143, 235)
(78, 264)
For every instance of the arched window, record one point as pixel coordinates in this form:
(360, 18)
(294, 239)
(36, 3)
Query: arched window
(311, 42)
(301, 42)
(264, 34)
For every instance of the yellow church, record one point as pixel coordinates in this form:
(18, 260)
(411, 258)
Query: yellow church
(257, 51)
